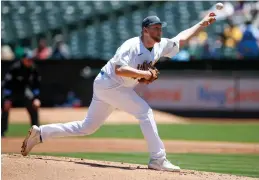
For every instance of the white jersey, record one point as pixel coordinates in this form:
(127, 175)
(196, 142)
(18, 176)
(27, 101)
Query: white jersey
(133, 53)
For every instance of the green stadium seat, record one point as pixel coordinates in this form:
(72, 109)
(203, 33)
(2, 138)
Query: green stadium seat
(92, 41)
(84, 9)
(136, 20)
(21, 19)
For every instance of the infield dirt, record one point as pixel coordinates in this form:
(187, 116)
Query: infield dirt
(16, 167)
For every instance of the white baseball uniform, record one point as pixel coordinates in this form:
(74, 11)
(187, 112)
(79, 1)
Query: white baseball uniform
(112, 91)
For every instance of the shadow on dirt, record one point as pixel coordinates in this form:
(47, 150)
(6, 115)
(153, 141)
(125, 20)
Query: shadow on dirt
(99, 165)
(110, 166)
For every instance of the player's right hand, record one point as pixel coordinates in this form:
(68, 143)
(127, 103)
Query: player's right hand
(208, 20)
(7, 105)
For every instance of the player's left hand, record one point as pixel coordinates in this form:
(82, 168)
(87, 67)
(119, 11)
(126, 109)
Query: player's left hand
(153, 73)
(36, 103)
(208, 20)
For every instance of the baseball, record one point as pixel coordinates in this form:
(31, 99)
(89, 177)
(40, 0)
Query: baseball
(219, 6)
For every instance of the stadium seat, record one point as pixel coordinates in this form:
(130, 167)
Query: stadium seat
(21, 19)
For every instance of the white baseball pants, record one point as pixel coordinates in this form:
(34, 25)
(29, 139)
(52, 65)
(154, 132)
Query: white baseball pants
(107, 96)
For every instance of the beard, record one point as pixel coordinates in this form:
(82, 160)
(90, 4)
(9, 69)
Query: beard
(156, 39)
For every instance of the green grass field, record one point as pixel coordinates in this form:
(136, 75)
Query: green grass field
(202, 132)
(245, 165)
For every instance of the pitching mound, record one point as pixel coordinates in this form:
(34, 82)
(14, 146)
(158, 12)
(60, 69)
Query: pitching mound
(16, 167)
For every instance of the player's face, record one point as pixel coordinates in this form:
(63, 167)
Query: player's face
(155, 32)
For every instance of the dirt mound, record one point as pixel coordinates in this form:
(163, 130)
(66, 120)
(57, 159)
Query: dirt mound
(16, 167)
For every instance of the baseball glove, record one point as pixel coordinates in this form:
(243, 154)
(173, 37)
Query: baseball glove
(152, 69)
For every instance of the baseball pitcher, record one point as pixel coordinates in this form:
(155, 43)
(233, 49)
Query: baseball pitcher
(132, 63)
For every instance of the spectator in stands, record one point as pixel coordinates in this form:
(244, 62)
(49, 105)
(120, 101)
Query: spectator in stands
(22, 48)
(230, 51)
(196, 46)
(250, 27)
(42, 52)
(72, 100)
(255, 15)
(183, 55)
(218, 47)
(233, 31)
(60, 50)
(238, 16)
(206, 51)
(6, 52)
(248, 47)
(18, 51)
(239, 6)
(246, 10)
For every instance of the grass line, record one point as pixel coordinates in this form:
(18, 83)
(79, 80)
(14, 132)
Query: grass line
(248, 133)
